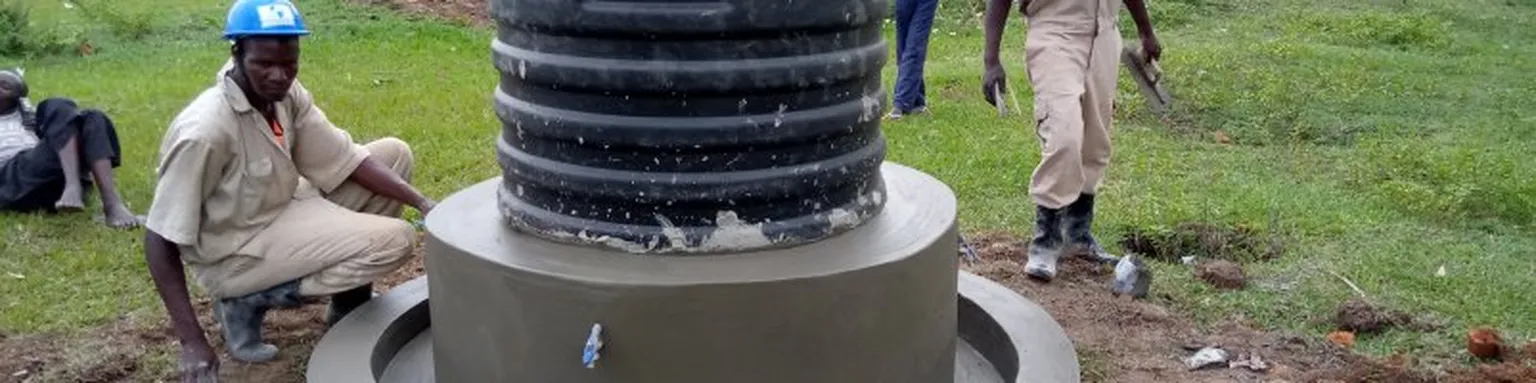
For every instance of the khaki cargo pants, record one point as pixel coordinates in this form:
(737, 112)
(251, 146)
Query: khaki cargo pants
(331, 243)
(1072, 54)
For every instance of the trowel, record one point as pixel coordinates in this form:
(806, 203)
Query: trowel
(1149, 77)
(1132, 276)
(997, 95)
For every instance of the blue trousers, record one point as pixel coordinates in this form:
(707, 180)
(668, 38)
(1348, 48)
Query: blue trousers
(914, 22)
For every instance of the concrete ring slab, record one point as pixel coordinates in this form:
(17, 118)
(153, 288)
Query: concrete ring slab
(1008, 339)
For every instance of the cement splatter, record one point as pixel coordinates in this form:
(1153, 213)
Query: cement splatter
(733, 233)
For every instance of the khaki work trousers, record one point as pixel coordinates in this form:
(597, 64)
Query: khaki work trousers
(1073, 63)
(331, 243)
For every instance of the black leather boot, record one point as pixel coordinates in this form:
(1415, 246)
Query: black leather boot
(344, 302)
(1078, 222)
(1046, 246)
(241, 318)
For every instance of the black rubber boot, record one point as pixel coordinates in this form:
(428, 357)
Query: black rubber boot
(241, 318)
(1078, 222)
(344, 302)
(1046, 246)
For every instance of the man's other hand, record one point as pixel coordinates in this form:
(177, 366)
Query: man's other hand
(994, 83)
(1151, 48)
(199, 364)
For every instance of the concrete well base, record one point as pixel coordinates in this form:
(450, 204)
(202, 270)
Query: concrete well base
(875, 304)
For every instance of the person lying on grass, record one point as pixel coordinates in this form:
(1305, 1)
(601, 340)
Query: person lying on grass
(269, 203)
(44, 152)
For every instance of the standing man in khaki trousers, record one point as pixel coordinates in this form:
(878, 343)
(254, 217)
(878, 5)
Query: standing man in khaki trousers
(1072, 54)
(266, 201)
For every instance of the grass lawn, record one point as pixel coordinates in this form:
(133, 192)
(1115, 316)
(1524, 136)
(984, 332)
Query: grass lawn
(1378, 140)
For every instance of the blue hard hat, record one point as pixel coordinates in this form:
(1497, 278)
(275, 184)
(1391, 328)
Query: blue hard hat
(264, 18)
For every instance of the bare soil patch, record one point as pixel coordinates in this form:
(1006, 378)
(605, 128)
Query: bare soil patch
(144, 349)
(1124, 340)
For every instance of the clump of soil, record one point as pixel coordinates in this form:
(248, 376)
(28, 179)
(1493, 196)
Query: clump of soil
(1485, 343)
(1205, 241)
(1362, 317)
(1222, 273)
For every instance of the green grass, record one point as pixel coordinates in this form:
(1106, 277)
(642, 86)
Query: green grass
(1382, 139)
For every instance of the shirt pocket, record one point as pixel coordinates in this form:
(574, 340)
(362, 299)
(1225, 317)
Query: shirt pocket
(258, 180)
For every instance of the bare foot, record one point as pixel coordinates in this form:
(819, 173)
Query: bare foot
(118, 217)
(71, 201)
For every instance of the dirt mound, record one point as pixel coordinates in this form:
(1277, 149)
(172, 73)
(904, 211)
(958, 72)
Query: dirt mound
(1205, 241)
(1222, 274)
(1363, 317)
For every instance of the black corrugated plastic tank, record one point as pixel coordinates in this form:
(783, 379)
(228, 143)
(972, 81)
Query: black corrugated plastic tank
(690, 126)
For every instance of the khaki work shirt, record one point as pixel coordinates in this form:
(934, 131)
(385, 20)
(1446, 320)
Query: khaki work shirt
(223, 177)
(1073, 17)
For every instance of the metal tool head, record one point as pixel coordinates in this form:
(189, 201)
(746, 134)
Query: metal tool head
(1132, 277)
(967, 252)
(997, 98)
(1149, 78)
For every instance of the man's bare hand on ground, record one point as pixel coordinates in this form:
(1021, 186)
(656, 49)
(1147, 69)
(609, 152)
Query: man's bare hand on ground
(199, 364)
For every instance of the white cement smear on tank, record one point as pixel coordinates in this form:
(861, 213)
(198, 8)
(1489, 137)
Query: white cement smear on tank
(842, 219)
(733, 233)
(674, 235)
(871, 109)
(581, 236)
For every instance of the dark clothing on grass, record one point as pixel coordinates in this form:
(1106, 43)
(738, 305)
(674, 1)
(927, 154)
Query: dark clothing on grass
(34, 179)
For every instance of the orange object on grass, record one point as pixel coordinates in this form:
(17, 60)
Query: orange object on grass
(1344, 339)
(1484, 343)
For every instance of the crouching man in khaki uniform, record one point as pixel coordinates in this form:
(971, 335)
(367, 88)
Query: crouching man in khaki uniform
(268, 202)
(1072, 53)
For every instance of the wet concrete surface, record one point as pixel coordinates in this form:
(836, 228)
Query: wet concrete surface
(874, 304)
